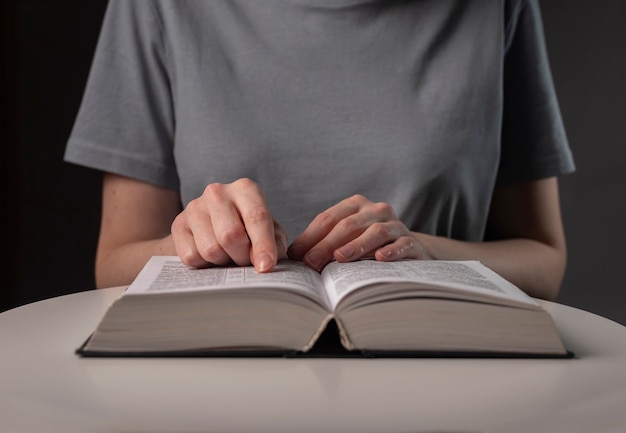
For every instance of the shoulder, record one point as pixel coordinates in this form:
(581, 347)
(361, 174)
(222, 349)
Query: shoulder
(128, 20)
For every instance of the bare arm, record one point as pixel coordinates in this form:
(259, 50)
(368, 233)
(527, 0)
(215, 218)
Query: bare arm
(525, 241)
(525, 244)
(136, 220)
(227, 224)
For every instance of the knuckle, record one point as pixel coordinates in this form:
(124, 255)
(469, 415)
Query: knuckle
(258, 214)
(381, 231)
(191, 258)
(410, 248)
(349, 225)
(178, 225)
(232, 234)
(358, 198)
(213, 254)
(192, 206)
(385, 209)
(245, 182)
(325, 220)
(213, 192)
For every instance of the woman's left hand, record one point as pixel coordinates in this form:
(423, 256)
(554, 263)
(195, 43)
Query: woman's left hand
(353, 229)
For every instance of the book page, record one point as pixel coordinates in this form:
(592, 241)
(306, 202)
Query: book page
(469, 276)
(168, 274)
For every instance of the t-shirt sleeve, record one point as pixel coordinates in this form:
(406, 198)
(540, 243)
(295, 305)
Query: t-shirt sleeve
(125, 124)
(534, 142)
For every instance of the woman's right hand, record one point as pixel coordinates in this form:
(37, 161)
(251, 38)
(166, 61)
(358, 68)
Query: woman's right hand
(229, 223)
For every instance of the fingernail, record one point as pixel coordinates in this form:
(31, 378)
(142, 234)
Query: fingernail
(314, 259)
(265, 263)
(386, 253)
(346, 252)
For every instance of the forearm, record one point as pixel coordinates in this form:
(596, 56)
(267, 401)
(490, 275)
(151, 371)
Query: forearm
(118, 266)
(535, 267)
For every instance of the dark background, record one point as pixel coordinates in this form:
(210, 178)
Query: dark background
(51, 208)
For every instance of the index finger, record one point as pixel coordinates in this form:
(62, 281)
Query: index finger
(259, 224)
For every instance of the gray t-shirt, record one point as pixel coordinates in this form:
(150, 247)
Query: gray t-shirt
(426, 105)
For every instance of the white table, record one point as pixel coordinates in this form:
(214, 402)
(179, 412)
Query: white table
(45, 387)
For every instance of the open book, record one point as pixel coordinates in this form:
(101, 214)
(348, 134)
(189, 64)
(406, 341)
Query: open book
(409, 307)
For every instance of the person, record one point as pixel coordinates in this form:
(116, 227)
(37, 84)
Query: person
(242, 132)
